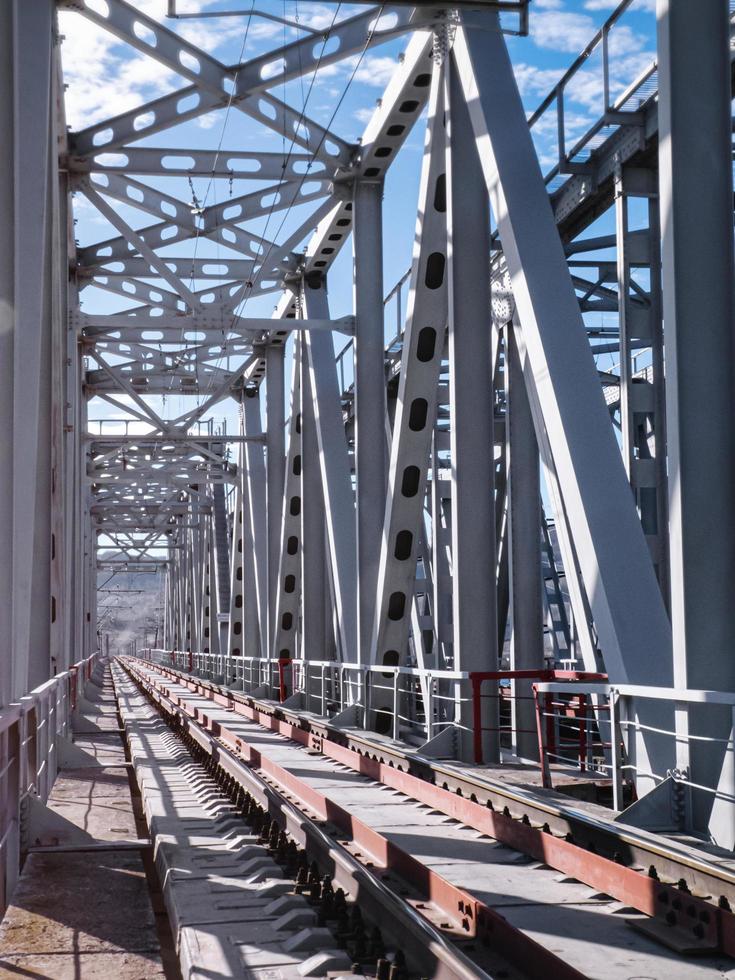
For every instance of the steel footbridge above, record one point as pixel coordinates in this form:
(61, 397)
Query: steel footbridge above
(366, 490)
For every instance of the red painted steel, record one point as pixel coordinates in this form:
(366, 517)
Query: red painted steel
(465, 913)
(626, 885)
(478, 678)
(283, 665)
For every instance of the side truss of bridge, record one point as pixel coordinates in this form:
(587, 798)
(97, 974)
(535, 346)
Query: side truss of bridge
(443, 525)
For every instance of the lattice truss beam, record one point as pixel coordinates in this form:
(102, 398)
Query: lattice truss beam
(393, 517)
(181, 333)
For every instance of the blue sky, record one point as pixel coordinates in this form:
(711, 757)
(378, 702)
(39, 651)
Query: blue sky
(106, 77)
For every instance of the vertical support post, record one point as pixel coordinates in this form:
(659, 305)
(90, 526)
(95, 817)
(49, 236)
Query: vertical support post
(220, 562)
(566, 398)
(26, 310)
(696, 195)
(7, 326)
(641, 393)
(255, 545)
(524, 539)
(288, 597)
(472, 434)
(313, 527)
(370, 406)
(421, 358)
(441, 578)
(275, 447)
(339, 507)
(616, 755)
(542, 729)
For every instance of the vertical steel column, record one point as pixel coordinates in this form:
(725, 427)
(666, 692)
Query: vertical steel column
(243, 638)
(35, 171)
(696, 194)
(275, 470)
(255, 542)
(7, 325)
(472, 435)
(64, 430)
(524, 540)
(313, 528)
(629, 614)
(26, 162)
(441, 576)
(642, 404)
(288, 597)
(166, 607)
(418, 391)
(336, 480)
(220, 545)
(370, 405)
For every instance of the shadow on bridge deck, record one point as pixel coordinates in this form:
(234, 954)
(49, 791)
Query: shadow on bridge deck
(84, 905)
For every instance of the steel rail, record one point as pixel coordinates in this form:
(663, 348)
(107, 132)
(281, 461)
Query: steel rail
(304, 812)
(630, 865)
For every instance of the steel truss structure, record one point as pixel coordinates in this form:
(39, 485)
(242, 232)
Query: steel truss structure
(395, 520)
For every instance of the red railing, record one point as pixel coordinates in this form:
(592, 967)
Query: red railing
(283, 685)
(478, 678)
(556, 712)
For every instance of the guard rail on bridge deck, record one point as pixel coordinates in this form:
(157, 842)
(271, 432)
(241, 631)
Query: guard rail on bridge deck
(421, 703)
(31, 732)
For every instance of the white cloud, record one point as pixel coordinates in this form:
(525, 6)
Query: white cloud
(649, 5)
(570, 32)
(622, 41)
(364, 114)
(549, 4)
(85, 209)
(374, 69)
(107, 76)
(536, 81)
(319, 15)
(561, 31)
(208, 120)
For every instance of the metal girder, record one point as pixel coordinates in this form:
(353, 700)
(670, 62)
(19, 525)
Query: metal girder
(255, 511)
(275, 452)
(695, 150)
(456, 558)
(524, 546)
(216, 221)
(317, 637)
(389, 127)
(630, 618)
(29, 321)
(472, 400)
(335, 469)
(287, 597)
(159, 329)
(245, 86)
(423, 345)
(132, 238)
(200, 269)
(150, 161)
(138, 195)
(370, 404)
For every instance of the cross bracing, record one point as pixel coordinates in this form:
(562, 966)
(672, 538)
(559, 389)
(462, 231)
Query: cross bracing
(491, 471)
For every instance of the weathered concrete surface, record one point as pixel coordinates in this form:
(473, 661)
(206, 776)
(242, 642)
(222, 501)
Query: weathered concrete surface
(82, 909)
(81, 915)
(91, 804)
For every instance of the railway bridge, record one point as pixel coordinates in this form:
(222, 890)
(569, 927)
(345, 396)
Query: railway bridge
(407, 427)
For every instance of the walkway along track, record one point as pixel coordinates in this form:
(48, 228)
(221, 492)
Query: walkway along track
(482, 881)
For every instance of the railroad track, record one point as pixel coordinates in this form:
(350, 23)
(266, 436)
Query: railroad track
(502, 891)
